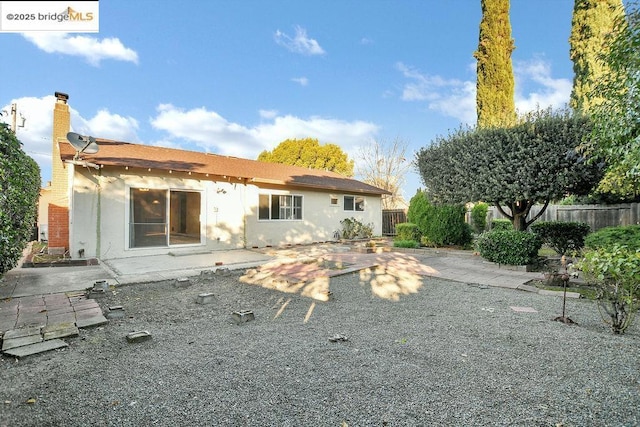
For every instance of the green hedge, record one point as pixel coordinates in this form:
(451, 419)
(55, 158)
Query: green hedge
(439, 225)
(627, 235)
(407, 231)
(19, 192)
(510, 247)
(479, 216)
(406, 244)
(501, 224)
(562, 236)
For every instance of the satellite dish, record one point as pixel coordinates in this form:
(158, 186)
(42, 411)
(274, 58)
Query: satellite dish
(82, 144)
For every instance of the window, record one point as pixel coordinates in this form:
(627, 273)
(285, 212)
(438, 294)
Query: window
(280, 207)
(163, 217)
(354, 203)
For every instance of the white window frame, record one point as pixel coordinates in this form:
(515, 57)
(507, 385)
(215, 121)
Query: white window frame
(355, 202)
(288, 209)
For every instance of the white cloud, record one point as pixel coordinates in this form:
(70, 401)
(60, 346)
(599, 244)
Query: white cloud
(300, 43)
(546, 91)
(268, 114)
(302, 81)
(451, 97)
(535, 88)
(91, 49)
(36, 134)
(213, 133)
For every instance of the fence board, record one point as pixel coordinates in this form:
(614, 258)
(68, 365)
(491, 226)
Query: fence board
(391, 217)
(597, 216)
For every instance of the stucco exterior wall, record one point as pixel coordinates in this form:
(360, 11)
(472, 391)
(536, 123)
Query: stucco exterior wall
(320, 219)
(100, 214)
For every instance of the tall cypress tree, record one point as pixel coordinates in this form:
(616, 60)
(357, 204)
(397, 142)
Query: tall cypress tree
(495, 85)
(592, 22)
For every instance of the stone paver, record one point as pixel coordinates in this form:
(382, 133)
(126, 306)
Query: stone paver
(40, 347)
(27, 322)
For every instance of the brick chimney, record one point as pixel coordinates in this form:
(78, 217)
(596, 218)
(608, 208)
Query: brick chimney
(58, 211)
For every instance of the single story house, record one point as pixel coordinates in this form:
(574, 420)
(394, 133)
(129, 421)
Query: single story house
(135, 200)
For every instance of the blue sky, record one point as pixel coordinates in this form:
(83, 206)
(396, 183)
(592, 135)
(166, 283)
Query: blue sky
(239, 77)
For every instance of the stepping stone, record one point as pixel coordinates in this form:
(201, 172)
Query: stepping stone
(40, 347)
(60, 330)
(523, 309)
(138, 336)
(57, 319)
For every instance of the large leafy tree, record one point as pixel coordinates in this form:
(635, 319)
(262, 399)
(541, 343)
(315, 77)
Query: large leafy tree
(495, 103)
(19, 192)
(384, 164)
(593, 21)
(310, 154)
(516, 167)
(616, 131)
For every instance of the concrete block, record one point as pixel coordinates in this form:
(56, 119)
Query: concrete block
(207, 273)
(559, 293)
(182, 282)
(223, 271)
(101, 284)
(60, 330)
(138, 336)
(206, 298)
(242, 316)
(40, 347)
(115, 312)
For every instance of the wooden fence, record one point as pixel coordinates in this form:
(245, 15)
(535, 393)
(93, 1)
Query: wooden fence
(597, 216)
(391, 217)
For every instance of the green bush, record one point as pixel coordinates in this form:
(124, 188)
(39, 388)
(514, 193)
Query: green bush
(19, 192)
(439, 224)
(563, 237)
(406, 244)
(510, 247)
(407, 231)
(354, 229)
(615, 270)
(479, 216)
(501, 224)
(627, 235)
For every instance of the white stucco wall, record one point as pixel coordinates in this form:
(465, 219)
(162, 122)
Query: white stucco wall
(320, 219)
(100, 204)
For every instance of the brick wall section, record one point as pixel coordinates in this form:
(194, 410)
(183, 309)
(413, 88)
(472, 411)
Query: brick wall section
(58, 226)
(59, 203)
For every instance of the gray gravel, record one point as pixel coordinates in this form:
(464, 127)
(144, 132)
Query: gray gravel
(452, 354)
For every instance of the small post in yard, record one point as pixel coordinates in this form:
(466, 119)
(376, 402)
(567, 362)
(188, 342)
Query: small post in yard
(565, 280)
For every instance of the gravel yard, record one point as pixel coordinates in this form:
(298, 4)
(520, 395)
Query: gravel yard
(449, 354)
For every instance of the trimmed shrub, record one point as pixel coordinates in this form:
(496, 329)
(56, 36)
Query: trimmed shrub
(446, 226)
(19, 192)
(626, 235)
(407, 231)
(562, 236)
(479, 216)
(615, 271)
(439, 225)
(510, 247)
(501, 224)
(406, 244)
